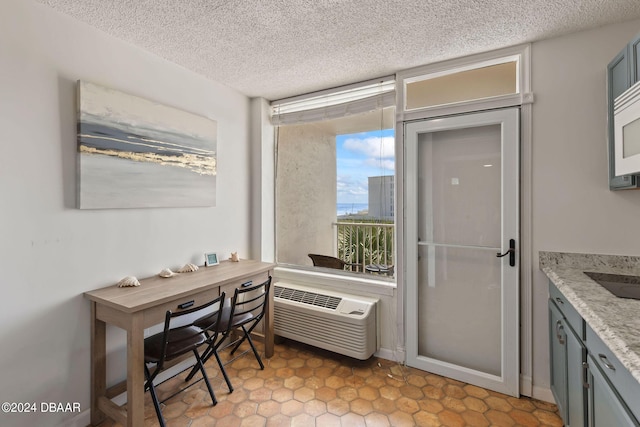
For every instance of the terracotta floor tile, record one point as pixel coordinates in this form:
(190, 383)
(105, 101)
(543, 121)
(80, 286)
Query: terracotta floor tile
(499, 419)
(369, 393)
(305, 386)
(453, 404)
(377, 420)
(384, 405)
(526, 419)
(412, 392)
(475, 419)
(268, 409)
(408, 405)
(433, 392)
(328, 420)
(451, 419)
(326, 394)
(338, 407)
(315, 408)
(432, 406)
(253, 421)
(353, 420)
(475, 391)
(426, 419)
(474, 404)
(347, 393)
(399, 418)
(361, 407)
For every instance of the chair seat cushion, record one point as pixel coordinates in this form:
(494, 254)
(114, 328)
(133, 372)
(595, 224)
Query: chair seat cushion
(207, 322)
(238, 320)
(181, 341)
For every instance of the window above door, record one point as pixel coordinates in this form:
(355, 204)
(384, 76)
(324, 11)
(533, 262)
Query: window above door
(479, 82)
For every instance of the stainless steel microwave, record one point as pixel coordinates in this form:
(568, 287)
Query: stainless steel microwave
(626, 131)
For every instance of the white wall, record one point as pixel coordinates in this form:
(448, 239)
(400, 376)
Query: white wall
(50, 252)
(573, 209)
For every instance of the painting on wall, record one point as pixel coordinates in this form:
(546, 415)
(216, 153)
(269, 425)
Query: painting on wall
(136, 153)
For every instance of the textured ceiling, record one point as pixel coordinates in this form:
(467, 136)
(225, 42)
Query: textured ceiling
(279, 48)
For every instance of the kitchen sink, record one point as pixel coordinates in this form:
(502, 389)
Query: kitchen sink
(621, 285)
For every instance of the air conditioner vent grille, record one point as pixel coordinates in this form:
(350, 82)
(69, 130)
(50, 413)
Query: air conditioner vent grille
(306, 297)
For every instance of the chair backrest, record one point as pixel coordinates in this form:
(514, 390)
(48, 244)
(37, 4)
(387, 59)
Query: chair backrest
(251, 300)
(179, 326)
(327, 261)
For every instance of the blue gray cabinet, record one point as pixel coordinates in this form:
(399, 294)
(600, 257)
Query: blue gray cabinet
(634, 60)
(590, 385)
(605, 407)
(567, 357)
(558, 357)
(622, 72)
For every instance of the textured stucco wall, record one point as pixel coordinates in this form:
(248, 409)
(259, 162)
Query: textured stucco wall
(306, 191)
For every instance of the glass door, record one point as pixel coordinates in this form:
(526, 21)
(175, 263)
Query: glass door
(462, 213)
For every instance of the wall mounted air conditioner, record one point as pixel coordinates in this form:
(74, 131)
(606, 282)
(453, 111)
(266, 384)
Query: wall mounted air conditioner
(333, 321)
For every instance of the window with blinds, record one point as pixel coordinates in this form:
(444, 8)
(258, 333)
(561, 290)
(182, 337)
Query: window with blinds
(335, 166)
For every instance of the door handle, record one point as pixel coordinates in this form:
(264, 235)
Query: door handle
(559, 328)
(511, 252)
(606, 362)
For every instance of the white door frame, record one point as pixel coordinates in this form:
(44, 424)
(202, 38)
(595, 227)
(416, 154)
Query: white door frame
(508, 382)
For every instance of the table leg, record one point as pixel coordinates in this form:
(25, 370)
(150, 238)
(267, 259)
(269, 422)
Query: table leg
(268, 326)
(98, 365)
(135, 372)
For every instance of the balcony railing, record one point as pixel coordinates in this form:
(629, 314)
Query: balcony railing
(365, 243)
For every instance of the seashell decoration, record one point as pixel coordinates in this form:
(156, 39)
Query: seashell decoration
(128, 281)
(188, 268)
(166, 273)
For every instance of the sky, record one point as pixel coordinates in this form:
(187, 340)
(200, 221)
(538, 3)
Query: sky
(359, 156)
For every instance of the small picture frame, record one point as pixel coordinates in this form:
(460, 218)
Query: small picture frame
(211, 258)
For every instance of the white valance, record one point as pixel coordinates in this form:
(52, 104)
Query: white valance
(335, 103)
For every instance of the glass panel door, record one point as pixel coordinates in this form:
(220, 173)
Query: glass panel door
(464, 211)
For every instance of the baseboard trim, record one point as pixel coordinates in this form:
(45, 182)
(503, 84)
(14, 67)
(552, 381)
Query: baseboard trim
(387, 354)
(526, 385)
(543, 393)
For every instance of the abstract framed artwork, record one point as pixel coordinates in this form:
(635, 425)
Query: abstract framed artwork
(136, 153)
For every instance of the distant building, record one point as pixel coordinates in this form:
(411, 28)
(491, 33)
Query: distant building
(381, 196)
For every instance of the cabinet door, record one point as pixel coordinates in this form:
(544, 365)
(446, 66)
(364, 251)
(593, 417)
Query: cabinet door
(558, 349)
(576, 378)
(618, 80)
(605, 407)
(634, 60)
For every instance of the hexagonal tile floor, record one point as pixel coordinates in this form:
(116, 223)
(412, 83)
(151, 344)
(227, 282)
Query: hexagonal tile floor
(306, 386)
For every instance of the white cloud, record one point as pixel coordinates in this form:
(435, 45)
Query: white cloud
(384, 164)
(348, 185)
(374, 147)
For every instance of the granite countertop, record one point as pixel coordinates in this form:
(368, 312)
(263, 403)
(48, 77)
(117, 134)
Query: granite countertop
(615, 320)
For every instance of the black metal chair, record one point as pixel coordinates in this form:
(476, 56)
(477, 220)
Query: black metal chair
(333, 262)
(248, 307)
(180, 336)
(243, 311)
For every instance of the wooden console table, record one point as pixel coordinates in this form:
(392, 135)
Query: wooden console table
(137, 308)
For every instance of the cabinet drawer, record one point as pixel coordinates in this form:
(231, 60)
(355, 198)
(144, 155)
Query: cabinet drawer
(624, 383)
(573, 318)
(254, 280)
(155, 315)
